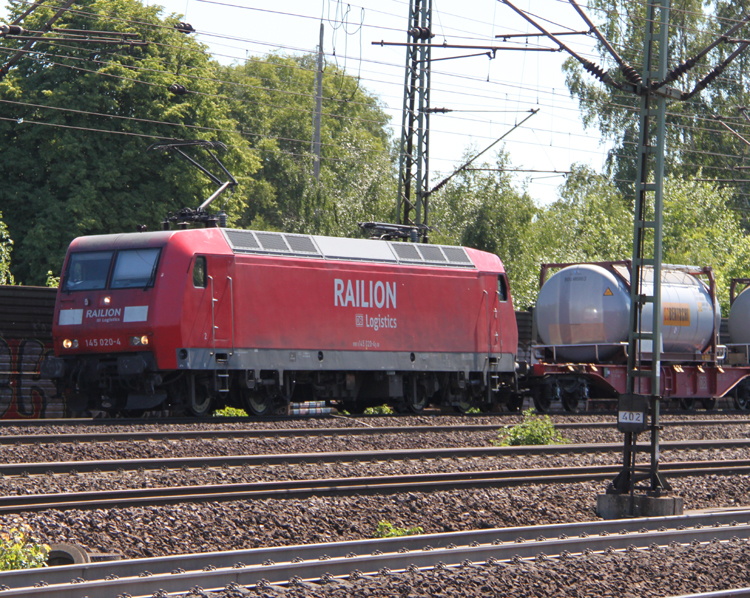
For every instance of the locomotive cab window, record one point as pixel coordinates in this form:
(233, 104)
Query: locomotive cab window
(199, 272)
(502, 288)
(135, 268)
(87, 271)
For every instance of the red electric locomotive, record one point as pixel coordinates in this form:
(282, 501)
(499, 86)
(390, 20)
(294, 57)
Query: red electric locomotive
(193, 319)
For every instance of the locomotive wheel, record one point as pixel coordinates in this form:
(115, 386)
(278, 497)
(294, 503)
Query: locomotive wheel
(688, 404)
(200, 403)
(709, 404)
(414, 402)
(258, 403)
(515, 402)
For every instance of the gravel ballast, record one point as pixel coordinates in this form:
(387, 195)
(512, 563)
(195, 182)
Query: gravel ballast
(186, 528)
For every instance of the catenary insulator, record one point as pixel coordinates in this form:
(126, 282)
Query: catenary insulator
(186, 28)
(177, 89)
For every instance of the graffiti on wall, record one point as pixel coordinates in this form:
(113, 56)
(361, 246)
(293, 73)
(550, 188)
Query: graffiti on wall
(23, 393)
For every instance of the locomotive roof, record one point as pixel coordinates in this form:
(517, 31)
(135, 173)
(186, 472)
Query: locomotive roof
(307, 246)
(341, 248)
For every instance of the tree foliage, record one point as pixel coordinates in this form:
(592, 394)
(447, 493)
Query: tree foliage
(62, 179)
(6, 246)
(695, 141)
(273, 104)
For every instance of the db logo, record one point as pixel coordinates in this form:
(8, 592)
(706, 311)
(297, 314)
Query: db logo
(359, 319)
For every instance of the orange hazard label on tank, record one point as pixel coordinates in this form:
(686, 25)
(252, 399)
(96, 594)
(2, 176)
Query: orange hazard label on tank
(676, 314)
(608, 292)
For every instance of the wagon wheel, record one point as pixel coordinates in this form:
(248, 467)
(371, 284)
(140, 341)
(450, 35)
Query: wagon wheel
(542, 398)
(742, 398)
(570, 401)
(687, 403)
(258, 402)
(199, 402)
(709, 404)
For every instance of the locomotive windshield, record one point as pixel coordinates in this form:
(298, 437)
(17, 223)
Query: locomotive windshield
(134, 268)
(87, 271)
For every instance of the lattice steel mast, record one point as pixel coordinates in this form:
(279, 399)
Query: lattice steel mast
(414, 168)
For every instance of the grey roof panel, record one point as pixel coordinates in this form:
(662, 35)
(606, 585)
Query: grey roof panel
(241, 239)
(301, 244)
(407, 252)
(355, 249)
(432, 253)
(457, 255)
(273, 242)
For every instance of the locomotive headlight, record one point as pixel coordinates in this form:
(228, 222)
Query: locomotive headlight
(70, 344)
(107, 300)
(138, 341)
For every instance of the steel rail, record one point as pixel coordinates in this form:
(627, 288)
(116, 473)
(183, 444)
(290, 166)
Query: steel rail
(362, 419)
(279, 564)
(300, 489)
(11, 439)
(736, 593)
(262, 460)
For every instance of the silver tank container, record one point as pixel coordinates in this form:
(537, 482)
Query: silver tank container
(739, 319)
(589, 305)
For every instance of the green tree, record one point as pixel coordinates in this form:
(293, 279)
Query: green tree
(273, 106)
(695, 141)
(700, 230)
(6, 246)
(590, 222)
(63, 179)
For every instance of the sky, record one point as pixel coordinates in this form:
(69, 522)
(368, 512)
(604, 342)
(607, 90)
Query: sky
(487, 97)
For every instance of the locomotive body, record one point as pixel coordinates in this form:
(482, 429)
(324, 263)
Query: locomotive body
(191, 318)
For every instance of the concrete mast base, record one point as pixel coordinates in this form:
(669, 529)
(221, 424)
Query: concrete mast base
(619, 506)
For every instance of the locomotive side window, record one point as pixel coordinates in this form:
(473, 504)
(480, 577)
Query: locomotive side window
(135, 268)
(87, 271)
(502, 288)
(199, 272)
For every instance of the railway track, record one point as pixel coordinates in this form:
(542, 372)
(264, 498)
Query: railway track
(300, 489)
(109, 465)
(135, 436)
(96, 466)
(354, 421)
(322, 562)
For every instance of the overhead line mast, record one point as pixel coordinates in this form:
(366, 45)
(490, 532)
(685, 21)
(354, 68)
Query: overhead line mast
(644, 383)
(413, 164)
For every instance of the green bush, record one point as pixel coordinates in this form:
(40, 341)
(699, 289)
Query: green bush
(387, 530)
(534, 429)
(379, 410)
(230, 412)
(20, 550)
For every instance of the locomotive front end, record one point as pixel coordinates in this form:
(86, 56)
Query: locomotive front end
(103, 334)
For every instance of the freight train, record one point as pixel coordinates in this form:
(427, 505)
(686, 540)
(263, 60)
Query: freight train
(193, 319)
